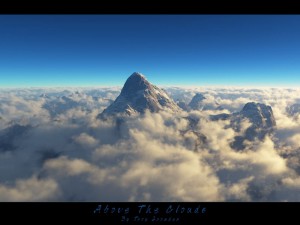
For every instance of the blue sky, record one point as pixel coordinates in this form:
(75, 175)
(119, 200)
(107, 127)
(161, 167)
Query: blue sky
(173, 50)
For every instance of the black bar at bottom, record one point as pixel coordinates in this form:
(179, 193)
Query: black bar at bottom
(150, 212)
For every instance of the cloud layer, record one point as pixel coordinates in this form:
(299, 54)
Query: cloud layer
(68, 155)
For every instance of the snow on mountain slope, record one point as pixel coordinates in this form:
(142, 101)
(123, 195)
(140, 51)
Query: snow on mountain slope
(139, 95)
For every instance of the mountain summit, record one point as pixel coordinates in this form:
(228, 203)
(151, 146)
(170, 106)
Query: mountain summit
(260, 115)
(197, 102)
(139, 95)
(261, 118)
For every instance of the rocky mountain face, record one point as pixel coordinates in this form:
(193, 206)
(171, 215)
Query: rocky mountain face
(197, 102)
(137, 96)
(261, 118)
(260, 115)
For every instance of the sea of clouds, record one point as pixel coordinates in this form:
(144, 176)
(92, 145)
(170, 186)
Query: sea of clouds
(54, 149)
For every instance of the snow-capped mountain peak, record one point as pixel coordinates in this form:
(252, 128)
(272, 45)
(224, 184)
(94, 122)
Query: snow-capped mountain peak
(139, 95)
(135, 83)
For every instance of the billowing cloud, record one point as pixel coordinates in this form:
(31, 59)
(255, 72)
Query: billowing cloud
(69, 155)
(31, 189)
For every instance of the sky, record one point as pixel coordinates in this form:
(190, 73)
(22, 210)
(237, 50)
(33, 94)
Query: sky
(171, 50)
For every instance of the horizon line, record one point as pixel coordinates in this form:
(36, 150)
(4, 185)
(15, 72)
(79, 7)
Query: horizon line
(162, 86)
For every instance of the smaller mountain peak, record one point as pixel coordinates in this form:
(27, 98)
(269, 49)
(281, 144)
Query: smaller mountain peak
(259, 114)
(196, 102)
(199, 96)
(251, 105)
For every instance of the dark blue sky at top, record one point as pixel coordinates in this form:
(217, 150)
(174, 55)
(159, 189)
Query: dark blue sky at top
(103, 50)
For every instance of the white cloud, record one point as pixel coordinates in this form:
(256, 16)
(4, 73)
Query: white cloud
(85, 139)
(31, 189)
(74, 157)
